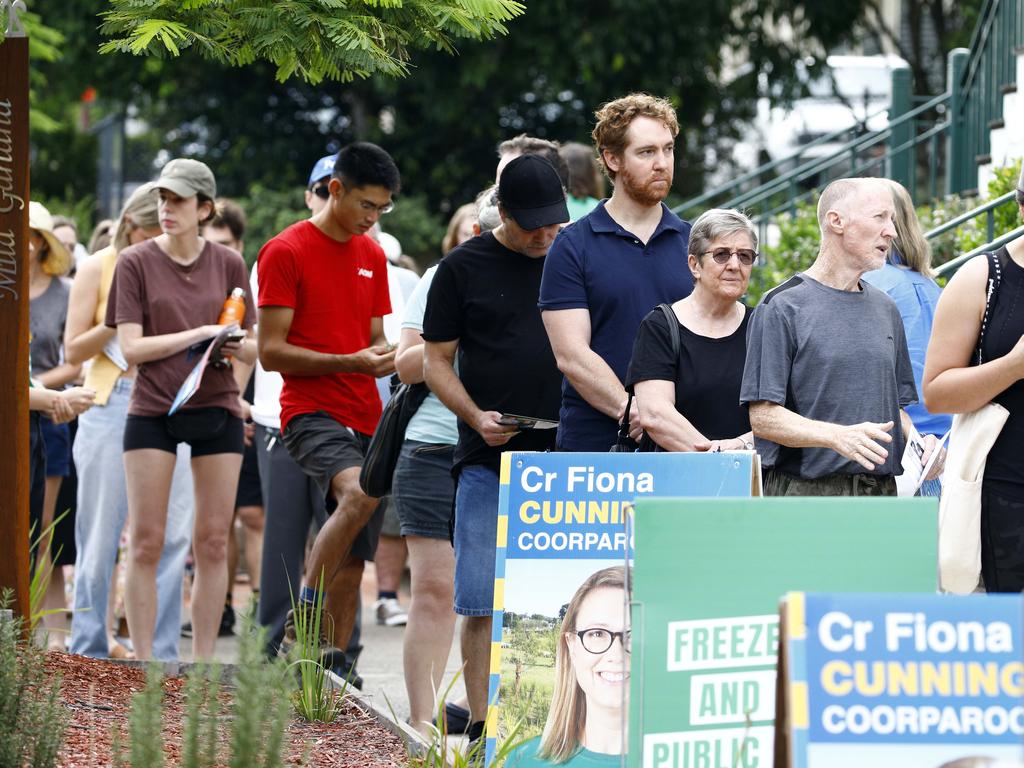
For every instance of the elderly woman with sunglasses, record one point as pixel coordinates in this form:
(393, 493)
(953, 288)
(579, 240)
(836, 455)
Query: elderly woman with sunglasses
(690, 401)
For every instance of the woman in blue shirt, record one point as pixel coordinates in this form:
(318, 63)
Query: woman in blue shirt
(907, 279)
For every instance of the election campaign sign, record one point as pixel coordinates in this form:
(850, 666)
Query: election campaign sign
(903, 681)
(563, 551)
(707, 579)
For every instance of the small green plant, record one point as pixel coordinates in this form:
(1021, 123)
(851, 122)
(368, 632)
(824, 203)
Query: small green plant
(202, 704)
(316, 699)
(32, 720)
(145, 722)
(258, 718)
(40, 576)
(439, 753)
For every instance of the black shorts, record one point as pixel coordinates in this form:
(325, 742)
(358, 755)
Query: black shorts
(206, 430)
(250, 492)
(322, 447)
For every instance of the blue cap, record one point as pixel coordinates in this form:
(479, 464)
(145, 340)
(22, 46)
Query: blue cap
(324, 167)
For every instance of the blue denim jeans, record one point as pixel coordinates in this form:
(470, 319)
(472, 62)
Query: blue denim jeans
(476, 534)
(102, 512)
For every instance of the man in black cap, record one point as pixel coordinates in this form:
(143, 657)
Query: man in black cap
(483, 305)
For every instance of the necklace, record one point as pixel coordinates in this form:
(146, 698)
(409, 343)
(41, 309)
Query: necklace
(186, 270)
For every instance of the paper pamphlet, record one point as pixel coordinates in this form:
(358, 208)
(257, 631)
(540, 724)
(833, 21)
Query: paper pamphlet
(191, 384)
(914, 472)
(527, 422)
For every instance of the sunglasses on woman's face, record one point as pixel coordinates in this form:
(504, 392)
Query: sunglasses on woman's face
(322, 191)
(722, 255)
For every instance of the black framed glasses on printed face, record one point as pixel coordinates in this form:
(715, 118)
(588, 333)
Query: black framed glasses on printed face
(747, 256)
(598, 640)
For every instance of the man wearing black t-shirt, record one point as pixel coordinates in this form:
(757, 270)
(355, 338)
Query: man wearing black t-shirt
(483, 306)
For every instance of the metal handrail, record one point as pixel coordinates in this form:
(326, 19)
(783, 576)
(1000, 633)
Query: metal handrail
(815, 165)
(771, 165)
(978, 39)
(963, 218)
(953, 265)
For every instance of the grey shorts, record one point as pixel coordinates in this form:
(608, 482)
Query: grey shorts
(322, 447)
(781, 484)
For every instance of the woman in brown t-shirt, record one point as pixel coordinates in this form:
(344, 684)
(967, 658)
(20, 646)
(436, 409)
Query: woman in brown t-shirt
(166, 297)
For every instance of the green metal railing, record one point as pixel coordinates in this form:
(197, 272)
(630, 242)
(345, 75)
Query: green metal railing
(951, 266)
(989, 71)
(940, 141)
(987, 210)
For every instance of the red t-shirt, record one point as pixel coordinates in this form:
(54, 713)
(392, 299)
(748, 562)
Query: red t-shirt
(335, 289)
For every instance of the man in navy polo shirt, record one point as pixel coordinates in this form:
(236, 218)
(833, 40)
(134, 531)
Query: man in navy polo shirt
(605, 272)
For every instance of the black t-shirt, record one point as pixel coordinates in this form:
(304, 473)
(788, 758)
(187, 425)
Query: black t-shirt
(485, 296)
(707, 373)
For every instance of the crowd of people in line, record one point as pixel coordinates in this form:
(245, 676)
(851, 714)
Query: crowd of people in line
(549, 302)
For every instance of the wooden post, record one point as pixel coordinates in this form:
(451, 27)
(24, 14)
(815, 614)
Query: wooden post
(14, 364)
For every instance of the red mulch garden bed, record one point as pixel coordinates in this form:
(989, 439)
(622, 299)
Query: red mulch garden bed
(98, 695)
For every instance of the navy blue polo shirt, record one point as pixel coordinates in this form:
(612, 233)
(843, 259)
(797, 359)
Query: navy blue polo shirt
(595, 264)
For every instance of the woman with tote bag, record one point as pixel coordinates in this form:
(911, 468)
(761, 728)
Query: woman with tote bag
(976, 358)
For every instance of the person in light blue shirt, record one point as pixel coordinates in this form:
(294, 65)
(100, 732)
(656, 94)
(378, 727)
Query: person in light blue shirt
(422, 492)
(907, 279)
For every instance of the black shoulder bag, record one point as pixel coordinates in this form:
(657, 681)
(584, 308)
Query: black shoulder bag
(382, 454)
(623, 442)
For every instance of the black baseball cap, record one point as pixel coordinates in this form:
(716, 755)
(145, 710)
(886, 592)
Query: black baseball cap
(531, 193)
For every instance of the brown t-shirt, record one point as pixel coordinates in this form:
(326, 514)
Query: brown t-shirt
(151, 289)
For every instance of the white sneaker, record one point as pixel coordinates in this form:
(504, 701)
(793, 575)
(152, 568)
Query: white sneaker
(390, 613)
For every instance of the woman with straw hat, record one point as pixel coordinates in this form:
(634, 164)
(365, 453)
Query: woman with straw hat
(49, 261)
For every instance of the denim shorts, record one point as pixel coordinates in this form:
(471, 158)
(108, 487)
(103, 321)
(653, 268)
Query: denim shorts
(423, 490)
(57, 442)
(476, 534)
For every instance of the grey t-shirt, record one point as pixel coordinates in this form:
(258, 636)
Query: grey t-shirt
(828, 355)
(47, 314)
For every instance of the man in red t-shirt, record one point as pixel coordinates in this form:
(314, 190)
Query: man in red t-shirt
(323, 295)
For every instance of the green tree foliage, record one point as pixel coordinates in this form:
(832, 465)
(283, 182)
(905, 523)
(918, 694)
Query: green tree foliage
(311, 39)
(558, 63)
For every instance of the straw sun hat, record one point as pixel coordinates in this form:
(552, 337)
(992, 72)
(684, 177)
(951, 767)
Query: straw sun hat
(58, 260)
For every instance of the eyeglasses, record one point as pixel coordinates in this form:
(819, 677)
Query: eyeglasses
(722, 255)
(322, 191)
(600, 640)
(367, 206)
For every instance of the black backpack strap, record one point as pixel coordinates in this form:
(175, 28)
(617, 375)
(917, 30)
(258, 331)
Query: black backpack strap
(996, 264)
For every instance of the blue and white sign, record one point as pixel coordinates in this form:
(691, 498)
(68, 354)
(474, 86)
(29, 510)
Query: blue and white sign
(561, 522)
(906, 680)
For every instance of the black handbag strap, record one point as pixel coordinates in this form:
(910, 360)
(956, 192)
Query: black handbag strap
(673, 334)
(996, 263)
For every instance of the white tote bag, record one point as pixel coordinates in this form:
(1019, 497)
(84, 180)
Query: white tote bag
(970, 441)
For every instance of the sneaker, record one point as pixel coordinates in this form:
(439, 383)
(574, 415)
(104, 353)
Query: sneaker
(290, 639)
(456, 719)
(341, 664)
(476, 749)
(227, 622)
(390, 613)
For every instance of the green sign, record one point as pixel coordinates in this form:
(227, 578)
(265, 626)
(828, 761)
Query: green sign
(708, 576)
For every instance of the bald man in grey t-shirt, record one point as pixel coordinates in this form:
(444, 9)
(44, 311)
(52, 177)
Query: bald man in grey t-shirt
(827, 371)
